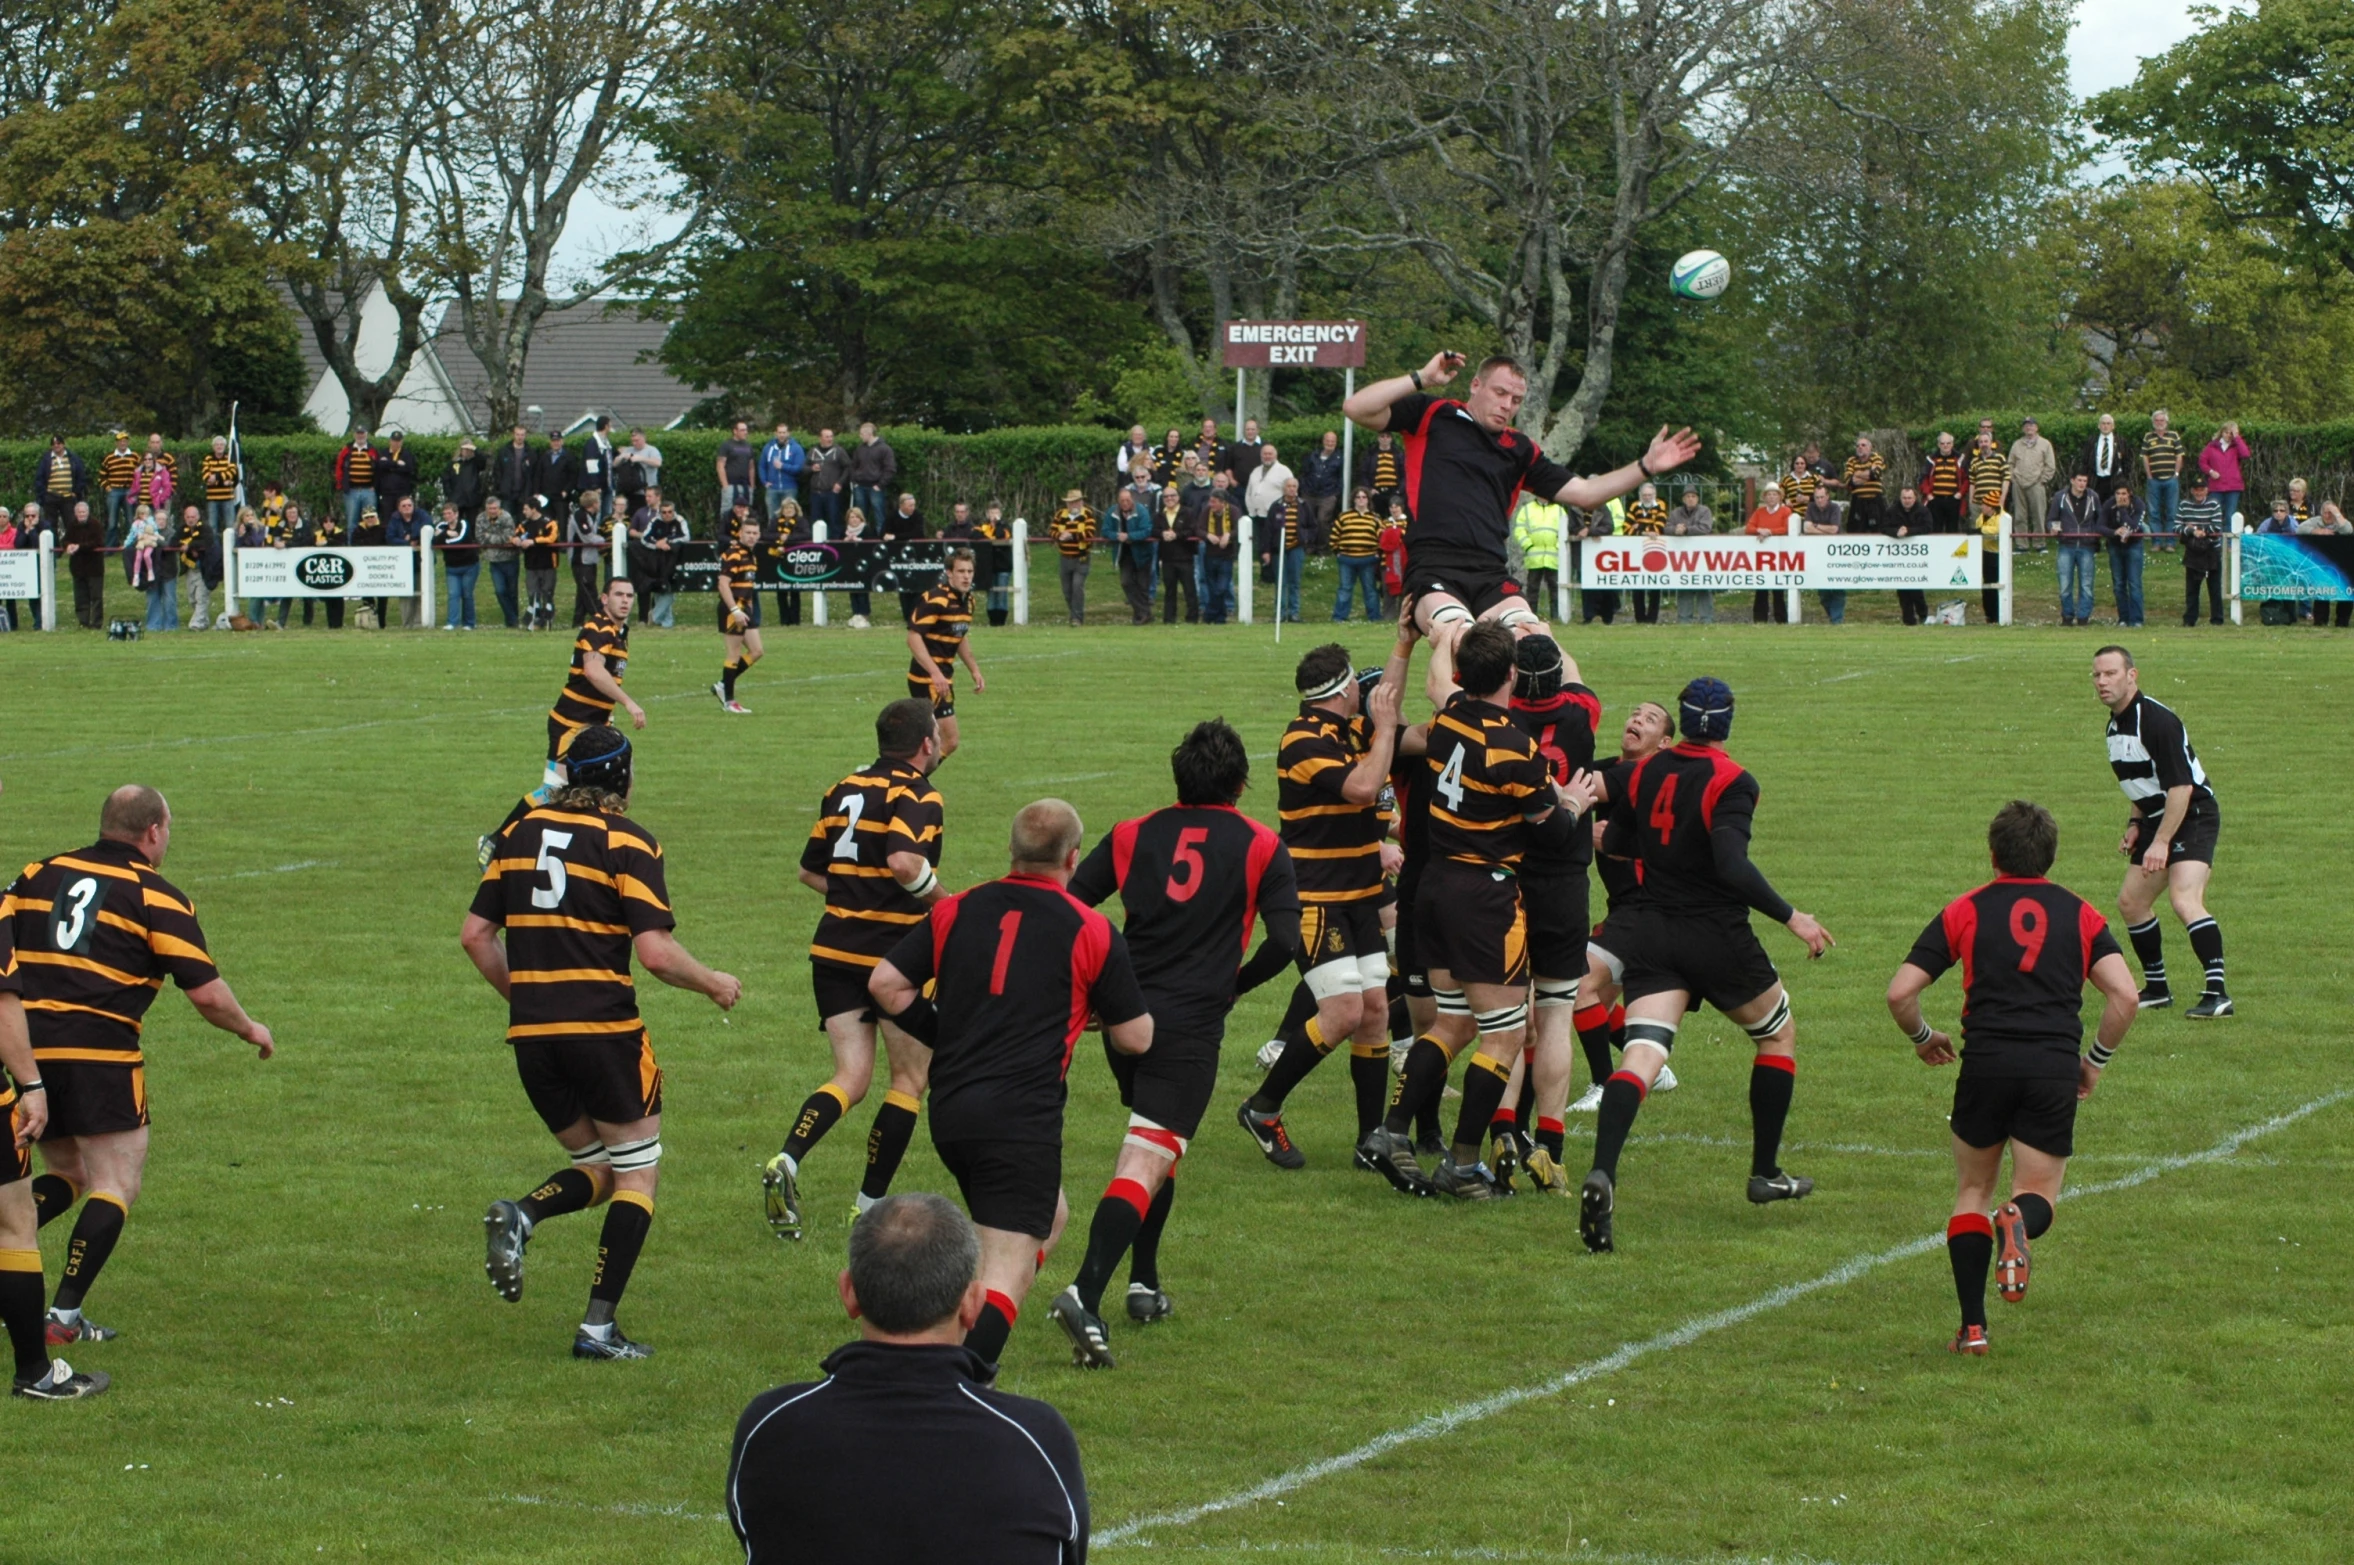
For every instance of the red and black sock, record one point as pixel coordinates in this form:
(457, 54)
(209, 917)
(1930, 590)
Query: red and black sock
(1144, 1257)
(2036, 1210)
(1118, 1217)
(987, 1338)
(54, 1195)
(575, 1189)
(20, 1308)
(1419, 1084)
(1484, 1081)
(1593, 1025)
(1771, 1080)
(1622, 1095)
(886, 1143)
(1969, 1244)
(819, 1113)
(627, 1222)
(1549, 1136)
(95, 1233)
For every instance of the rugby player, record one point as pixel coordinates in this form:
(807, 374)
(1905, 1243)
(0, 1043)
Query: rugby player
(1466, 466)
(739, 612)
(600, 657)
(874, 856)
(2169, 839)
(1599, 1019)
(939, 631)
(2027, 948)
(1685, 938)
(1193, 879)
(1334, 763)
(579, 888)
(96, 931)
(24, 1114)
(1490, 795)
(1017, 965)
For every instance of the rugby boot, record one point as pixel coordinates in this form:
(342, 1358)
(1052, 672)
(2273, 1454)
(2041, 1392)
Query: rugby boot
(1779, 1186)
(1091, 1342)
(2010, 1257)
(1274, 1141)
(506, 1232)
(61, 1384)
(780, 1192)
(586, 1344)
(1392, 1156)
(1148, 1306)
(1597, 1198)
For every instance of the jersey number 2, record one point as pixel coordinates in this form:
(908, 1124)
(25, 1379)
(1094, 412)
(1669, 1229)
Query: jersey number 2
(2028, 927)
(1188, 858)
(1663, 809)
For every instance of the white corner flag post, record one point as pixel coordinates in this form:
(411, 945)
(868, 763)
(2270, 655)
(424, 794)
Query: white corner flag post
(1565, 550)
(1238, 374)
(48, 571)
(2232, 566)
(1797, 599)
(1281, 559)
(2003, 583)
(1348, 443)
(1021, 571)
(817, 600)
(1243, 560)
(425, 577)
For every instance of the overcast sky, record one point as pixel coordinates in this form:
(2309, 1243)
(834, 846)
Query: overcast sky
(2104, 50)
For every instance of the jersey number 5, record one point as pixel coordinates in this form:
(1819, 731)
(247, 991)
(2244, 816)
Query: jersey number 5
(1188, 859)
(2028, 927)
(551, 866)
(1663, 809)
(1450, 781)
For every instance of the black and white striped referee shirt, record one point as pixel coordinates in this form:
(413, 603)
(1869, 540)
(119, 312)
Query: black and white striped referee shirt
(2150, 752)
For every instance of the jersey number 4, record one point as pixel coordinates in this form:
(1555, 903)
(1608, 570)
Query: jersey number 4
(1450, 781)
(1185, 866)
(1663, 809)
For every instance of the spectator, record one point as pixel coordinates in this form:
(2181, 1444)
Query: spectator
(371, 533)
(252, 533)
(1356, 548)
(873, 466)
(1180, 539)
(1148, 493)
(2300, 502)
(2035, 467)
(154, 485)
(273, 506)
(542, 533)
(2161, 470)
(461, 565)
(961, 526)
(1990, 473)
(1801, 482)
(1647, 518)
(1073, 530)
(1321, 479)
(1134, 551)
(559, 474)
(584, 533)
(2075, 525)
(2220, 460)
(8, 543)
(2199, 523)
(787, 526)
(1691, 519)
(733, 469)
(31, 524)
(1168, 458)
(1208, 448)
(1905, 519)
(782, 462)
(596, 462)
(1771, 519)
(217, 476)
(637, 471)
(1266, 484)
(1601, 602)
(287, 534)
(1243, 455)
(663, 533)
(905, 524)
(464, 484)
(829, 480)
(1393, 557)
(1382, 469)
(200, 563)
(1943, 484)
(999, 557)
(1130, 449)
(404, 528)
(1221, 547)
(861, 605)
(2330, 523)
(816, 1473)
(518, 472)
(2105, 459)
(1821, 519)
(396, 474)
(84, 536)
(1195, 485)
(151, 567)
(1283, 521)
(116, 470)
(498, 534)
(355, 477)
(60, 479)
(2126, 525)
(1537, 527)
(1865, 478)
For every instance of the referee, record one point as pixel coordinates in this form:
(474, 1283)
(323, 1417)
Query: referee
(2169, 840)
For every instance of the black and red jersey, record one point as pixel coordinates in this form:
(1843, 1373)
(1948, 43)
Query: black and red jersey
(1667, 809)
(1194, 881)
(2026, 947)
(1563, 724)
(1018, 964)
(1410, 793)
(1462, 480)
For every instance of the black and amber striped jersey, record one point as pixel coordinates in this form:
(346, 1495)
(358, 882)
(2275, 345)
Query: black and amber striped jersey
(359, 466)
(1167, 463)
(10, 983)
(1487, 778)
(1389, 473)
(739, 567)
(96, 931)
(219, 477)
(2163, 451)
(572, 889)
(1356, 534)
(1799, 486)
(1942, 478)
(581, 703)
(1990, 470)
(881, 809)
(1335, 845)
(1073, 532)
(1866, 476)
(943, 616)
(116, 469)
(1647, 516)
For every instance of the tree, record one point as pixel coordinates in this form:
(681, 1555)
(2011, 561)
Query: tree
(2258, 105)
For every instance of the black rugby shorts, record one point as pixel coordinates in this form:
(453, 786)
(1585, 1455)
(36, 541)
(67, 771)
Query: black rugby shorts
(2035, 1111)
(89, 1098)
(612, 1080)
(1011, 1185)
(1170, 1084)
(2193, 844)
(840, 987)
(1469, 922)
(1556, 906)
(1712, 957)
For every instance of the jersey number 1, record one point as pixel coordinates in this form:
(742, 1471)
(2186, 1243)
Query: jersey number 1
(1007, 928)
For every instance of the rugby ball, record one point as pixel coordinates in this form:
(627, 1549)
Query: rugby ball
(1700, 274)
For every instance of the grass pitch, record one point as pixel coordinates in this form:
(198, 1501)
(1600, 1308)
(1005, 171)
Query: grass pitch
(313, 1366)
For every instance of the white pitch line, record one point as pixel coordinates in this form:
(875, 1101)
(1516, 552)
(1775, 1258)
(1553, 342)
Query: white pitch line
(275, 869)
(1446, 1422)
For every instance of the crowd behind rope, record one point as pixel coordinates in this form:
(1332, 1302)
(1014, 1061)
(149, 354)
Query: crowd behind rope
(528, 511)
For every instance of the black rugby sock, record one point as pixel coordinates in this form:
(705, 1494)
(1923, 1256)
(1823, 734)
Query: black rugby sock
(2036, 1210)
(1118, 1217)
(1771, 1080)
(1420, 1083)
(573, 1190)
(2149, 946)
(100, 1225)
(2207, 944)
(1969, 1244)
(1483, 1093)
(1525, 1112)
(1593, 1027)
(1144, 1257)
(886, 1143)
(819, 1112)
(1549, 1135)
(987, 1338)
(1302, 1053)
(1622, 1095)
(727, 677)
(1369, 1073)
(54, 1195)
(627, 1221)
(20, 1308)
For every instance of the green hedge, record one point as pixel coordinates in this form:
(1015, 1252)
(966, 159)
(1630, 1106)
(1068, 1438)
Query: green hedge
(2321, 454)
(1029, 470)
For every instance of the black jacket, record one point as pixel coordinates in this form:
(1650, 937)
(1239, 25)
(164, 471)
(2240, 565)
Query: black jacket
(2121, 465)
(824, 1471)
(516, 472)
(1320, 475)
(396, 476)
(74, 466)
(462, 484)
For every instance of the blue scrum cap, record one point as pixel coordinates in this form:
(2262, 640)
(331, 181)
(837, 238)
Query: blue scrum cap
(1705, 710)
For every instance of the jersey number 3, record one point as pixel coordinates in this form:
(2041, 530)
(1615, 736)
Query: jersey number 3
(1185, 866)
(73, 915)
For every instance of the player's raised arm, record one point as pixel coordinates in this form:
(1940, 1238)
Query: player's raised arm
(1371, 773)
(1370, 407)
(1668, 452)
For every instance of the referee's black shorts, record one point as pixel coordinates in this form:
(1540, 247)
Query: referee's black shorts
(1010, 1185)
(2194, 842)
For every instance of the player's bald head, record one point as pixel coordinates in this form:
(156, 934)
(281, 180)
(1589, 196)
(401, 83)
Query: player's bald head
(1045, 835)
(131, 812)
